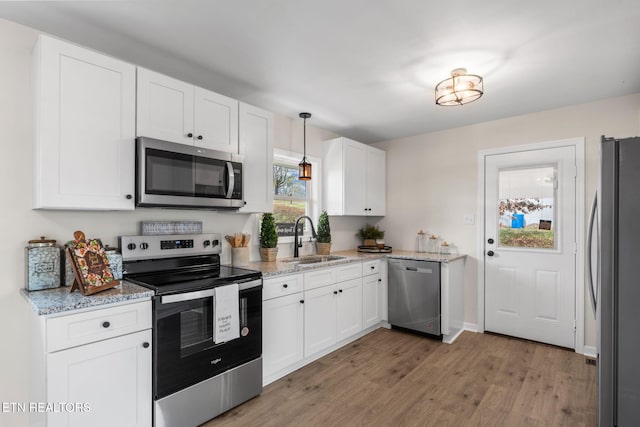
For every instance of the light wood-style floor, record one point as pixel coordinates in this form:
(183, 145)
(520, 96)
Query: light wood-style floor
(393, 378)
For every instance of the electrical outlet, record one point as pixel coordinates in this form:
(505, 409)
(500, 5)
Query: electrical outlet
(469, 219)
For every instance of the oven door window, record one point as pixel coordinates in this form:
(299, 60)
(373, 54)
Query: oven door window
(176, 174)
(196, 326)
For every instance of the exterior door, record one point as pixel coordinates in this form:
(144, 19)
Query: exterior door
(530, 245)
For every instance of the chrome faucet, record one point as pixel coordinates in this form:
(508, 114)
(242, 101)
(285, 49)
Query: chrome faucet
(297, 244)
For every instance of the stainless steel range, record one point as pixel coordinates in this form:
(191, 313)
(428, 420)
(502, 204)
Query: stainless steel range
(207, 335)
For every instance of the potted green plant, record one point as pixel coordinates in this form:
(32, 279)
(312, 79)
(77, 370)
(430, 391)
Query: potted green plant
(323, 241)
(369, 234)
(268, 238)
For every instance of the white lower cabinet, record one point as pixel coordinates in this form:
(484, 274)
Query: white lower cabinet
(282, 332)
(373, 292)
(332, 314)
(305, 316)
(95, 365)
(319, 319)
(348, 309)
(105, 375)
(371, 304)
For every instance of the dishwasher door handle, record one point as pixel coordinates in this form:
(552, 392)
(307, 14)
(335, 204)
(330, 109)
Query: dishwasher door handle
(419, 270)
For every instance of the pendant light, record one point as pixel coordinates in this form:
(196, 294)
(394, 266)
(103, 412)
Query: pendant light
(461, 88)
(304, 167)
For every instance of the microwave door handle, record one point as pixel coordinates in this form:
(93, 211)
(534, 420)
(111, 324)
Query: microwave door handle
(231, 178)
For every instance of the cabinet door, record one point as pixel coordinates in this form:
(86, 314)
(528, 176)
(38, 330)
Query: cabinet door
(355, 178)
(349, 308)
(319, 319)
(282, 332)
(376, 181)
(85, 109)
(371, 294)
(216, 121)
(113, 377)
(165, 108)
(256, 148)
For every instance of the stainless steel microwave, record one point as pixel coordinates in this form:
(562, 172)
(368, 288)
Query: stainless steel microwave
(184, 176)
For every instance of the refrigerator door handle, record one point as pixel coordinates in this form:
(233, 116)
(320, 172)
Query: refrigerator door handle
(592, 222)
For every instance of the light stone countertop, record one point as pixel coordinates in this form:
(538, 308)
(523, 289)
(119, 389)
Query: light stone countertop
(59, 300)
(283, 266)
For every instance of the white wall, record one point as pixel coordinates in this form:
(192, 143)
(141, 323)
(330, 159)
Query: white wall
(432, 178)
(20, 223)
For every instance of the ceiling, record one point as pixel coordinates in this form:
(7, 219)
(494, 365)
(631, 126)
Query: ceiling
(367, 69)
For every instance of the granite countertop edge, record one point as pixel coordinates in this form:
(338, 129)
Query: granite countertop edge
(60, 300)
(283, 267)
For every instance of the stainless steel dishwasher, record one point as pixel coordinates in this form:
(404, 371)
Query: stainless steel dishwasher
(414, 295)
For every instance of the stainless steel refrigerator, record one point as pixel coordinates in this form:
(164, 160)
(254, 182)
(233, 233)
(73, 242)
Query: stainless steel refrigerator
(616, 290)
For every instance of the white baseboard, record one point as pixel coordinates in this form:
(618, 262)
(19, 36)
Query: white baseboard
(471, 327)
(590, 351)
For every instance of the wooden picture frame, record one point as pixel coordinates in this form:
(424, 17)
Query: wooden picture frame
(90, 265)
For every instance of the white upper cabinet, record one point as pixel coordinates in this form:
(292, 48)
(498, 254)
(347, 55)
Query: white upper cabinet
(354, 178)
(165, 108)
(85, 128)
(376, 181)
(256, 149)
(216, 121)
(172, 110)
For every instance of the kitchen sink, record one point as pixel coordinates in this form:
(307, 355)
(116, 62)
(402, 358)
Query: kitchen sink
(314, 259)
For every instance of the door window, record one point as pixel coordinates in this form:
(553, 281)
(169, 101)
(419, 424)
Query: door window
(526, 207)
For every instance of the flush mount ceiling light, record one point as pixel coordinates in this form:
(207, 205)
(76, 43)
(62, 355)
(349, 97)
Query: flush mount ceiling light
(304, 167)
(461, 88)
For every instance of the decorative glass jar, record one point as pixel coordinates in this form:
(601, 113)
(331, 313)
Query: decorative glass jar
(43, 264)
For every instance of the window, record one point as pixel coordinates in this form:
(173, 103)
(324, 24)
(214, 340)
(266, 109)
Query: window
(527, 197)
(293, 198)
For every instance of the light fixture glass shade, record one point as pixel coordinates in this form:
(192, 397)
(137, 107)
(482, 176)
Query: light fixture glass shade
(461, 88)
(304, 170)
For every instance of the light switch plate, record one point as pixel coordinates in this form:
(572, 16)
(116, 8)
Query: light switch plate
(469, 219)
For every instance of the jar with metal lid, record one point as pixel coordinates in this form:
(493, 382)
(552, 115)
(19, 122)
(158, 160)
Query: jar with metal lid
(115, 262)
(433, 246)
(42, 264)
(422, 241)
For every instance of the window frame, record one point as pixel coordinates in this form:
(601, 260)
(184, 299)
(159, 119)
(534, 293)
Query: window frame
(314, 186)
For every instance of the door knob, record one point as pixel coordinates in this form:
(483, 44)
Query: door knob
(189, 135)
(490, 241)
(490, 253)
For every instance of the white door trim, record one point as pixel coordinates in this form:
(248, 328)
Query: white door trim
(579, 144)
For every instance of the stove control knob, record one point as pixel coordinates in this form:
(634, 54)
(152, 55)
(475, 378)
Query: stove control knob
(144, 246)
(215, 243)
(206, 243)
(131, 246)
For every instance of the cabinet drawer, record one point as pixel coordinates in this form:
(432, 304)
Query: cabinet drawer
(90, 326)
(370, 267)
(348, 272)
(318, 278)
(281, 286)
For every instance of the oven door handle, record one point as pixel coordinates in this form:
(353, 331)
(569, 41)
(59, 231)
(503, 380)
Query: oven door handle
(189, 296)
(231, 180)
